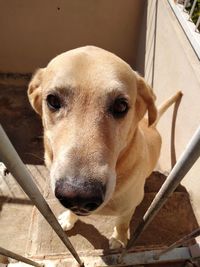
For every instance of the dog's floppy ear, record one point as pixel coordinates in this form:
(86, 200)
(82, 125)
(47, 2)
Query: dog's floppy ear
(145, 101)
(35, 91)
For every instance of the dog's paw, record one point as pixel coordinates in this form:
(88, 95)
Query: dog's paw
(116, 243)
(67, 219)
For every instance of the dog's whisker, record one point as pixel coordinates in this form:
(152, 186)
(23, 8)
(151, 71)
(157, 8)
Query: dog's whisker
(36, 156)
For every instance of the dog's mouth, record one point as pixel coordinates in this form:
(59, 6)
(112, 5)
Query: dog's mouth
(80, 211)
(80, 208)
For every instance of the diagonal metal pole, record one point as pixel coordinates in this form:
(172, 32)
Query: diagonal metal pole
(17, 257)
(12, 161)
(183, 165)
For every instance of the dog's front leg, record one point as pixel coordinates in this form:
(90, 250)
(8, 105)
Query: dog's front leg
(67, 219)
(119, 237)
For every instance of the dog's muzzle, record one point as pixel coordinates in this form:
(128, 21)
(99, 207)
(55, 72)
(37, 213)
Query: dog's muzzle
(81, 197)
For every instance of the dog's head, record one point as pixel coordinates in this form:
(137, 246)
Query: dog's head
(90, 102)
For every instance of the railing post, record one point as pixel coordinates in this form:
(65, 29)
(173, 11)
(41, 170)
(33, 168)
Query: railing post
(12, 161)
(192, 9)
(197, 24)
(185, 4)
(184, 164)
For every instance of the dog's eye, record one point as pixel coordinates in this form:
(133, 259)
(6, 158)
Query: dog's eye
(119, 108)
(53, 102)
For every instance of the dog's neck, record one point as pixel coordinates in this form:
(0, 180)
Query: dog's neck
(128, 156)
(131, 157)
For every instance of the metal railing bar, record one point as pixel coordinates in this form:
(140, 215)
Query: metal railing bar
(179, 242)
(183, 165)
(192, 9)
(185, 4)
(17, 257)
(142, 258)
(191, 34)
(197, 24)
(12, 161)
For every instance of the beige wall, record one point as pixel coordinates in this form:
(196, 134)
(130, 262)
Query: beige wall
(32, 32)
(176, 67)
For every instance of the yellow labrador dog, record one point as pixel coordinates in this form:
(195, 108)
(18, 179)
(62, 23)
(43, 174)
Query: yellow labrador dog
(99, 148)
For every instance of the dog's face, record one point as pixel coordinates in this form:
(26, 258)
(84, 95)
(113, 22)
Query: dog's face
(90, 102)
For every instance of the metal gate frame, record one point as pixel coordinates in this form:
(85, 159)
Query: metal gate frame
(12, 161)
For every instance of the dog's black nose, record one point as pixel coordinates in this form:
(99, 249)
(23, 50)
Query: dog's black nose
(80, 197)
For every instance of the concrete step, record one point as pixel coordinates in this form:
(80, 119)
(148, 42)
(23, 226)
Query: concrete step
(91, 233)
(21, 221)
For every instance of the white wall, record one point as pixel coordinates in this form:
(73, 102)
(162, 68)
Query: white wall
(176, 68)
